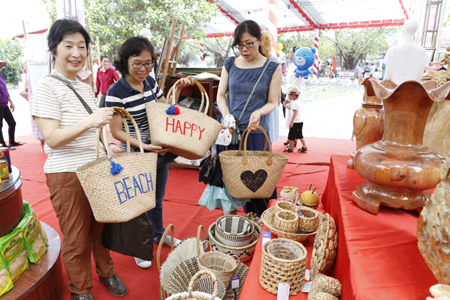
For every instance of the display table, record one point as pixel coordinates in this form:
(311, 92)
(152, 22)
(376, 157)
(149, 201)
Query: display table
(43, 281)
(11, 202)
(377, 255)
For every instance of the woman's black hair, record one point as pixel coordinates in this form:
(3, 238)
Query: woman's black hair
(249, 26)
(104, 56)
(63, 27)
(132, 47)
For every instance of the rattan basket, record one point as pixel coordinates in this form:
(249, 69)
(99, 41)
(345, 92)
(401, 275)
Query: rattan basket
(268, 219)
(223, 265)
(245, 253)
(284, 205)
(309, 221)
(325, 284)
(235, 231)
(286, 221)
(196, 295)
(284, 261)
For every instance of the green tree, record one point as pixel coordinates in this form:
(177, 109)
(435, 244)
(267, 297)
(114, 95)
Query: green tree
(11, 52)
(300, 39)
(355, 45)
(115, 21)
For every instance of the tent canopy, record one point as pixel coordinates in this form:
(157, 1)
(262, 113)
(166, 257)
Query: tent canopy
(305, 15)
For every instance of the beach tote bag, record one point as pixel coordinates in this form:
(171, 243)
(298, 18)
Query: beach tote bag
(187, 132)
(251, 174)
(122, 186)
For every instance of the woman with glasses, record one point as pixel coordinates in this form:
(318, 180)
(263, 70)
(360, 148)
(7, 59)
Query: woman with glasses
(239, 77)
(294, 120)
(132, 91)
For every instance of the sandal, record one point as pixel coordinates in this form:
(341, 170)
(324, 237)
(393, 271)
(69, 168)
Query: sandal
(288, 150)
(303, 149)
(286, 143)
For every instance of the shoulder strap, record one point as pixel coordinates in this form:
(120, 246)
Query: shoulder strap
(69, 85)
(251, 94)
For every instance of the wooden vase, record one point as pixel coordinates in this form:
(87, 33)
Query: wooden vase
(437, 131)
(399, 167)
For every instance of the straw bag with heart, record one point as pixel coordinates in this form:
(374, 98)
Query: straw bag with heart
(252, 174)
(122, 186)
(188, 133)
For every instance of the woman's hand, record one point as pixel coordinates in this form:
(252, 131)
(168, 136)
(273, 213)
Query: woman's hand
(291, 125)
(100, 117)
(184, 82)
(254, 118)
(11, 104)
(231, 129)
(157, 149)
(114, 149)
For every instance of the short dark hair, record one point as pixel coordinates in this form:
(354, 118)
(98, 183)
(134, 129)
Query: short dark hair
(249, 26)
(63, 27)
(132, 47)
(104, 56)
(205, 55)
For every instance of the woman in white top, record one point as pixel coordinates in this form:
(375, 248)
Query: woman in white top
(70, 135)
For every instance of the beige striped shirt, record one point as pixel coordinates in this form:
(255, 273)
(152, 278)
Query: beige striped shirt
(52, 99)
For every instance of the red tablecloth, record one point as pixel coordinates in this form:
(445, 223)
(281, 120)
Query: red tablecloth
(377, 256)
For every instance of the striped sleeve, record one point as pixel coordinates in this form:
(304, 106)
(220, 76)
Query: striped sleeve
(44, 103)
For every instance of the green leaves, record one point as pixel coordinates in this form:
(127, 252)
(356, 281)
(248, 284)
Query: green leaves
(11, 52)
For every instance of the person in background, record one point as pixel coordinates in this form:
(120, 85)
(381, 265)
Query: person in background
(70, 142)
(359, 71)
(239, 76)
(283, 69)
(133, 90)
(106, 76)
(206, 60)
(294, 120)
(6, 114)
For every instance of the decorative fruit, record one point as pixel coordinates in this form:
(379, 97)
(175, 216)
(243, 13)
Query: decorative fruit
(310, 198)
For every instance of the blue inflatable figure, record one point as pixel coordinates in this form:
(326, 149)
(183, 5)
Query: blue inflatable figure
(304, 59)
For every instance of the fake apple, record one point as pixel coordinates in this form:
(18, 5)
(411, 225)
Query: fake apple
(310, 198)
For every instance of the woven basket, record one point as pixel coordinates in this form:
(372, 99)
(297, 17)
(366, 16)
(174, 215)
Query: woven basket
(285, 206)
(286, 221)
(189, 134)
(110, 198)
(325, 284)
(284, 261)
(245, 253)
(182, 274)
(251, 174)
(196, 295)
(309, 221)
(290, 192)
(235, 231)
(268, 219)
(223, 265)
(321, 296)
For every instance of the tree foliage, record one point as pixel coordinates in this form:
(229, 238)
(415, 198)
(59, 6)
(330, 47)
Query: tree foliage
(11, 52)
(116, 20)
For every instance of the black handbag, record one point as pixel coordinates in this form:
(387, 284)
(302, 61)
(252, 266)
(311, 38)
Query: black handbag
(133, 238)
(211, 172)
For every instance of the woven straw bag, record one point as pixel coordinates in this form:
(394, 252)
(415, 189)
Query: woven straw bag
(234, 230)
(286, 221)
(309, 221)
(251, 174)
(223, 265)
(283, 260)
(325, 284)
(124, 196)
(188, 134)
(196, 295)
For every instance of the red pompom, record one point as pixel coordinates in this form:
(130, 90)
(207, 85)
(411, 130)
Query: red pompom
(177, 110)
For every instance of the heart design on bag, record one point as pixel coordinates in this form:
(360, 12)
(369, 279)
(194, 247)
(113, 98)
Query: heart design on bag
(253, 181)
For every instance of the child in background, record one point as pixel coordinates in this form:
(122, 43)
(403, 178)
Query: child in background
(294, 120)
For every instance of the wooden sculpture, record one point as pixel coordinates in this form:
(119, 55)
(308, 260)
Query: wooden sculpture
(400, 168)
(433, 228)
(368, 120)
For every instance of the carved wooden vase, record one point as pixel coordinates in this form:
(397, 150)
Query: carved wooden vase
(433, 229)
(368, 120)
(399, 167)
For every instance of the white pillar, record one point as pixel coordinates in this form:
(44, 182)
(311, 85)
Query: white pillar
(273, 22)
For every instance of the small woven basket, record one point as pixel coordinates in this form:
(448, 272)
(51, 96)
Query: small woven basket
(223, 265)
(283, 260)
(285, 206)
(325, 284)
(286, 221)
(235, 231)
(244, 253)
(196, 295)
(290, 192)
(309, 221)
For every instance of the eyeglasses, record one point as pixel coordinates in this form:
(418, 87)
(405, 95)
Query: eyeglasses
(294, 95)
(246, 45)
(138, 66)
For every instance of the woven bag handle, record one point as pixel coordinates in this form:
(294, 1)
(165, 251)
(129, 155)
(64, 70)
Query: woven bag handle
(197, 276)
(231, 256)
(161, 242)
(246, 134)
(200, 245)
(199, 230)
(202, 91)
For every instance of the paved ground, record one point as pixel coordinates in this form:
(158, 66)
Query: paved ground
(328, 118)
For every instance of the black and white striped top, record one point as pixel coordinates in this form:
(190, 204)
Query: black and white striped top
(121, 94)
(52, 99)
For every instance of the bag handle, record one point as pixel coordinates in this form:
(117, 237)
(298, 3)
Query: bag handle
(197, 276)
(246, 134)
(202, 91)
(69, 85)
(231, 256)
(199, 230)
(161, 242)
